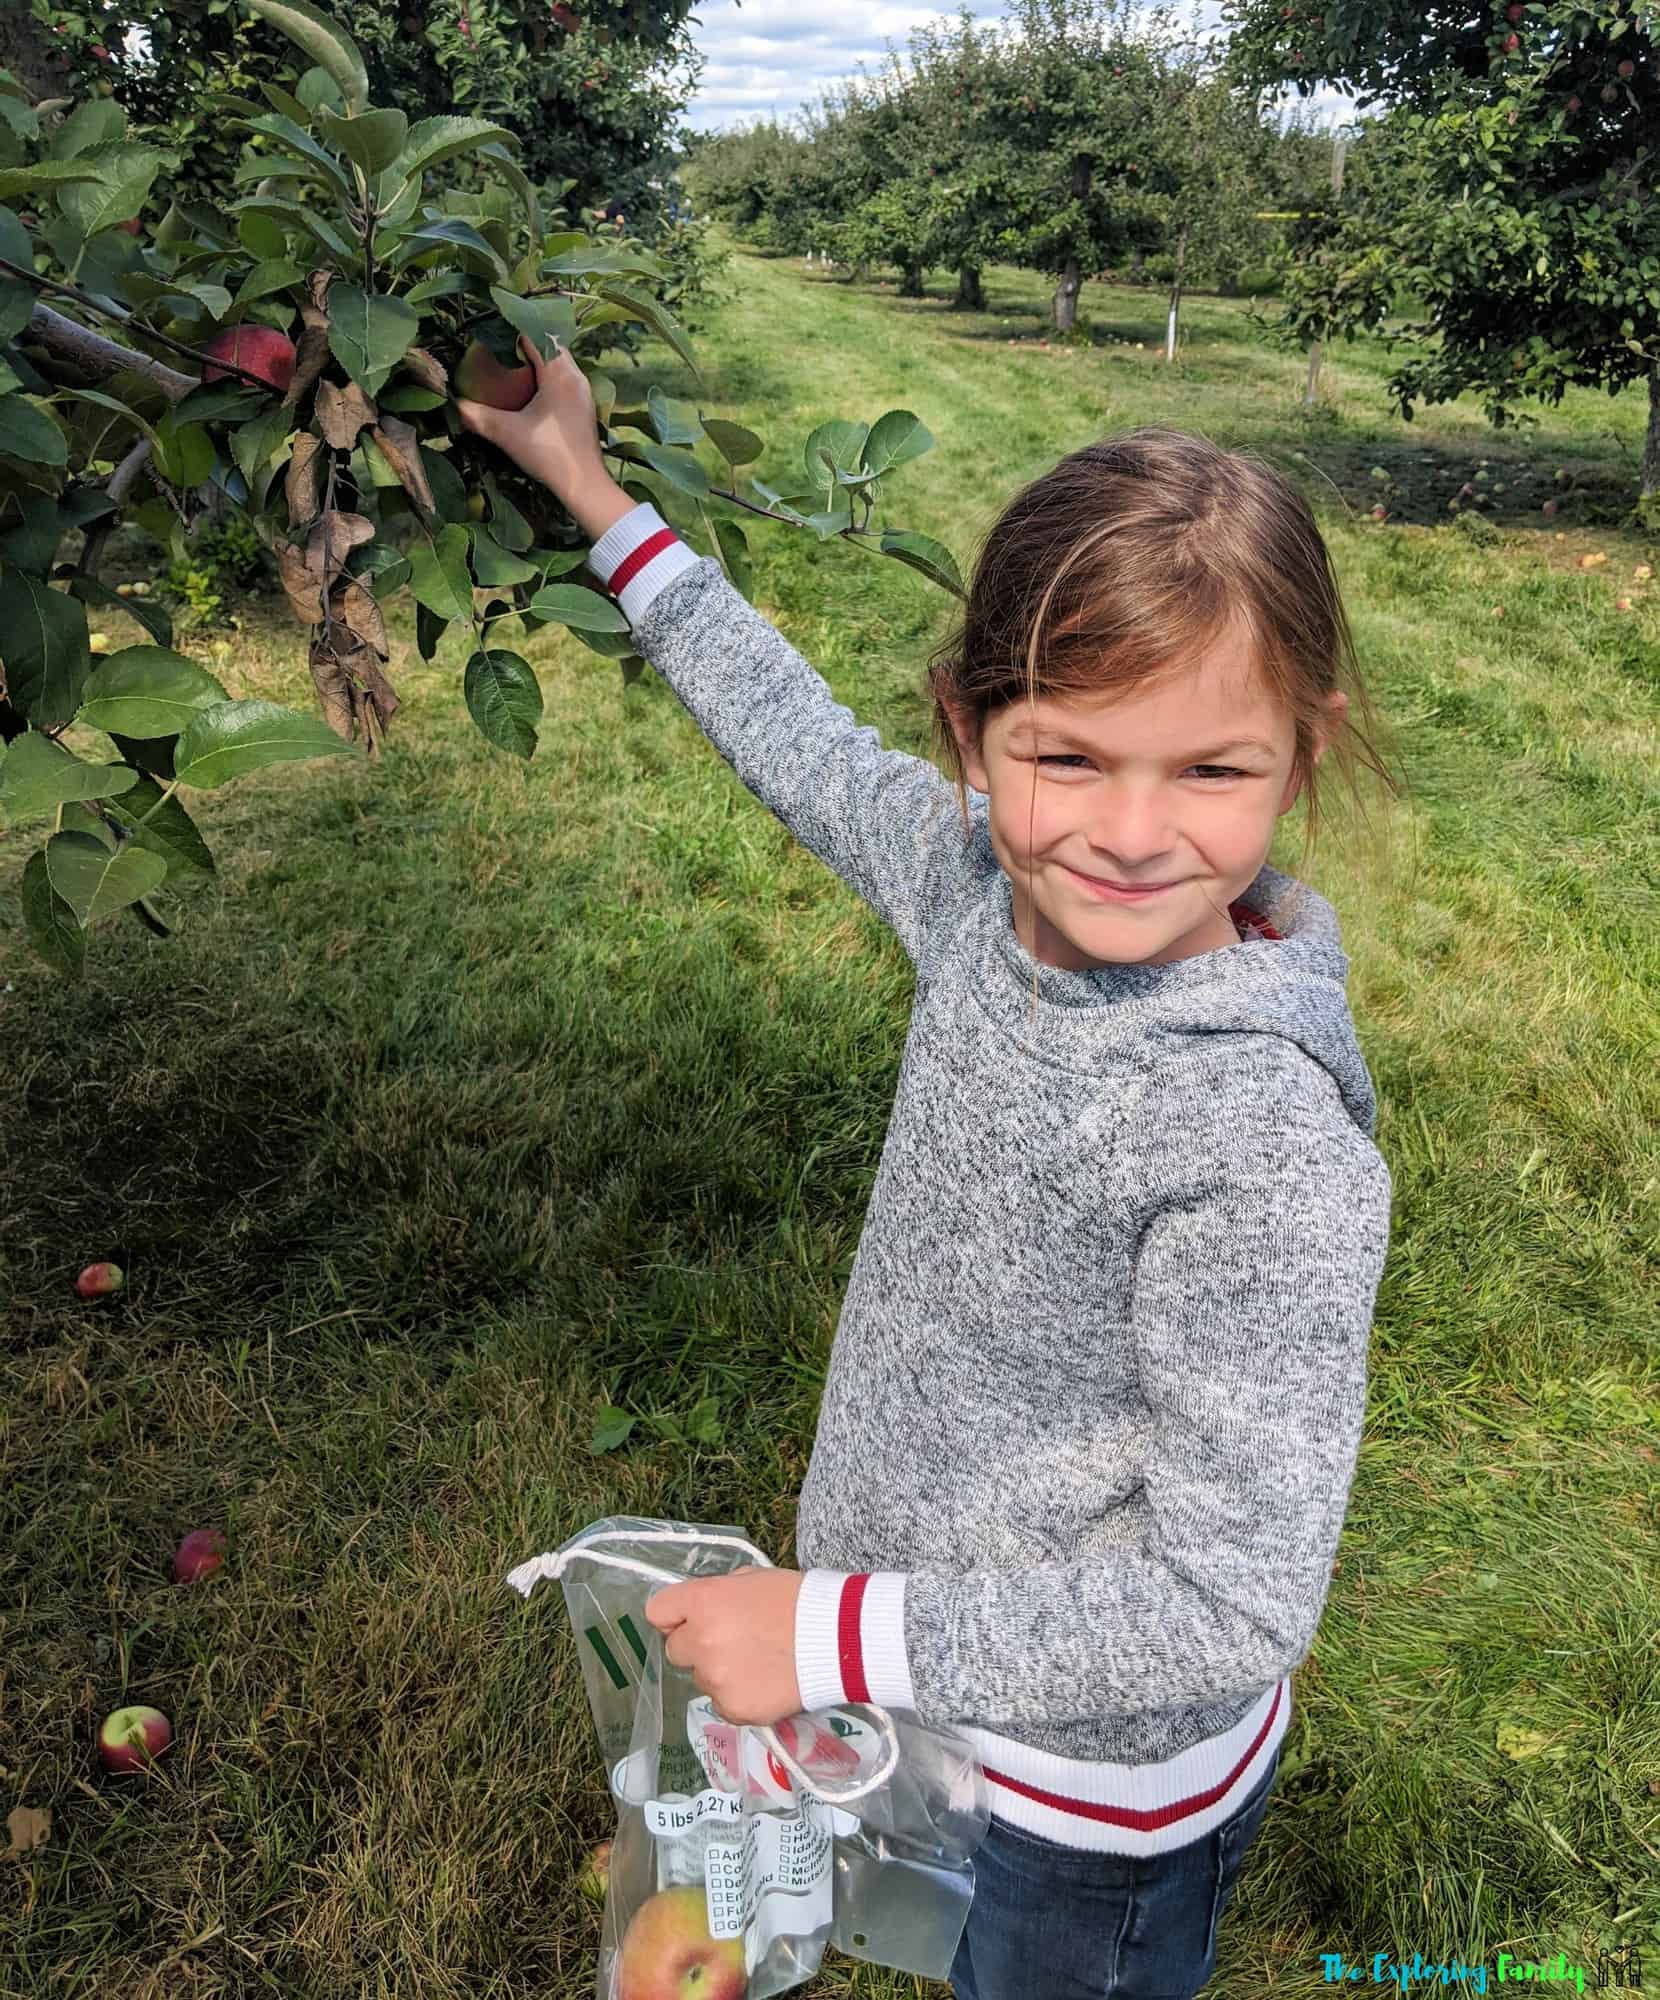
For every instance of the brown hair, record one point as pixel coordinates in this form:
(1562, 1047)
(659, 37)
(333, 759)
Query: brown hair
(1128, 560)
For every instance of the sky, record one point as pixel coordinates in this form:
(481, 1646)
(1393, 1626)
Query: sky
(774, 58)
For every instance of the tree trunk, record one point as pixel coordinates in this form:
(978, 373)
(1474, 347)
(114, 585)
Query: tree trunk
(1138, 257)
(910, 286)
(26, 50)
(971, 295)
(1651, 443)
(1176, 296)
(1066, 297)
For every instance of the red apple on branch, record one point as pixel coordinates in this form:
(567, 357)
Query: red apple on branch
(261, 350)
(132, 1738)
(486, 376)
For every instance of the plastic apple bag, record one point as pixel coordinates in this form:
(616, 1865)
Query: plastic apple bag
(743, 1851)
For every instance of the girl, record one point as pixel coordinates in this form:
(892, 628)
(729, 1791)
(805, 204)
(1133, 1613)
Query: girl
(1094, 1401)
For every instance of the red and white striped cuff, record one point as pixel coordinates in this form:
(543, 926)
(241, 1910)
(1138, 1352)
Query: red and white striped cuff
(638, 557)
(850, 1640)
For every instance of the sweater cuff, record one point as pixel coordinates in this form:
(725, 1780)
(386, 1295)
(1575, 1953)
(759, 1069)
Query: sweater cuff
(850, 1640)
(638, 557)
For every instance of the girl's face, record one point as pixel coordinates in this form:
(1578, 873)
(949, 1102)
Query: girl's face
(1166, 798)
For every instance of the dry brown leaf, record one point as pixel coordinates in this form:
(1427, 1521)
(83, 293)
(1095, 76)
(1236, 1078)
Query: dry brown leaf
(306, 576)
(342, 413)
(354, 693)
(427, 370)
(305, 598)
(355, 606)
(313, 349)
(302, 479)
(28, 1827)
(401, 449)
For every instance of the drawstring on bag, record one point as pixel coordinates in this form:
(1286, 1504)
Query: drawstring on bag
(550, 1567)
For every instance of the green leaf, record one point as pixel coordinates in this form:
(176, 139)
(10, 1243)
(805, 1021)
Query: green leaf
(37, 774)
(504, 699)
(661, 321)
(549, 324)
(597, 259)
(27, 432)
(385, 569)
(125, 175)
(922, 552)
(678, 467)
(895, 439)
(572, 604)
(50, 922)
(736, 445)
(256, 446)
(734, 547)
(507, 524)
(673, 424)
(611, 1429)
(270, 274)
(369, 333)
(45, 174)
(450, 230)
(147, 691)
(408, 397)
(151, 755)
(515, 175)
(46, 650)
(218, 401)
(235, 737)
(185, 454)
(100, 121)
(95, 880)
(448, 492)
(493, 565)
(438, 575)
(372, 140)
(149, 613)
(842, 441)
(324, 40)
(436, 139)
(157, 820)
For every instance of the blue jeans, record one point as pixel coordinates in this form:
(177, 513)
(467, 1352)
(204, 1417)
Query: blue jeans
(1056, 1923)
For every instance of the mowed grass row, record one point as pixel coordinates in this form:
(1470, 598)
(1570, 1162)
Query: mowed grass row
(478, 1094)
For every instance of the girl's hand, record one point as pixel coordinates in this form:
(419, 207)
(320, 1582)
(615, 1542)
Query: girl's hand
(554, 437)
(736, 1634)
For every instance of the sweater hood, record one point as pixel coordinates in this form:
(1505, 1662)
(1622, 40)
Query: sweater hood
(1290, 987)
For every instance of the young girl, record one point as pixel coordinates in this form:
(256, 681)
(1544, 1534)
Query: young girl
(1095, 1398)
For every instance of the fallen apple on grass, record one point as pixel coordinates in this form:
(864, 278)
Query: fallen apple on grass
(200, 1553)
(132, 1738)
(595, 1878)
(668, 1954)
(97, 1281)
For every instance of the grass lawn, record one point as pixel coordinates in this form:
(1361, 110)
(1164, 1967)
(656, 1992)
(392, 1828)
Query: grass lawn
(477, 1094)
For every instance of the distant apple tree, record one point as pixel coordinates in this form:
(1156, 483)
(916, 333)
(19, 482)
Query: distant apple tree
(336, 299)
(1509, 186)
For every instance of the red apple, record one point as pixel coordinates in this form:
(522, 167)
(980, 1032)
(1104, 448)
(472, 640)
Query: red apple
(261, 350)
(200, 1553)
(595, 1878)
(1380, 513)
(132, 225)
(97, 1281)
(1514, 13)
(1511, 44)
(131, 1737)
(481, 378)
(668, 1954)
(1627, 69)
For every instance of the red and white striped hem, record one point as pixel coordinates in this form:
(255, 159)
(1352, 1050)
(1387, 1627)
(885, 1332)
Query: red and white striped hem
(638, 557)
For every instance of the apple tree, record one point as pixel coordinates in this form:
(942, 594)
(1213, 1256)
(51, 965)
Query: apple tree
(1509, 185)
(292, 351)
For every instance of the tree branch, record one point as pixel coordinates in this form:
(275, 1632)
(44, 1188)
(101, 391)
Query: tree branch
(67, 340)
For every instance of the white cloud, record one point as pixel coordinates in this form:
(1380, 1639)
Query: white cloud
(776, 58)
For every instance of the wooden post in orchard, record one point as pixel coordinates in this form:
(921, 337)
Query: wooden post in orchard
(1339, 146)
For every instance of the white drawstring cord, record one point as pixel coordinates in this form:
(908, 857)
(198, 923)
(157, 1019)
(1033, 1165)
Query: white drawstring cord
(549, 1568)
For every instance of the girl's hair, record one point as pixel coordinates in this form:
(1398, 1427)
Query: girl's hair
(1127, 561)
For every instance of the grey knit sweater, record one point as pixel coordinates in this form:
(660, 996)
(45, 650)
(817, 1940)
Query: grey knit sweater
(1095, 1397)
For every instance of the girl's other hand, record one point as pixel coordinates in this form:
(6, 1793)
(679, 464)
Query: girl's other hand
(554, 437)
